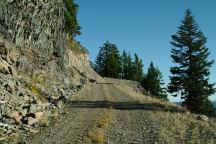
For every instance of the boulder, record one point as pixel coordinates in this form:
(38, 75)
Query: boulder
(39, 115)
(3, 49)
(23, 64)
(2, 102)
(16, 115)
(32, 108)
(11, 87)
(13, 55)
(203, 118)
(2, 125)
(24, 112)
(31, 121)
(60, 104)
(4, 67)
(12, 71)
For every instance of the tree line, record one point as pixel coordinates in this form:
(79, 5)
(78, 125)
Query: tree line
(189, 77)
(110, 63)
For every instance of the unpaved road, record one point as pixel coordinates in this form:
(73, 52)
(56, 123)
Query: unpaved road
(129, 123)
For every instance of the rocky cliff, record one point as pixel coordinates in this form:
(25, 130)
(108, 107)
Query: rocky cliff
(35, 24)
(38, 70)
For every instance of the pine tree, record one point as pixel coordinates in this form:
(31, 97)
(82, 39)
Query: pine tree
(137, 69)
(108, 61)
(129, 67)
(123, 71)
(71, 24)
(153, 83)
(126, 66)
(191, 71)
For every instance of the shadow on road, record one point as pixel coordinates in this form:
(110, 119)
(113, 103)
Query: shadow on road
(125, 106)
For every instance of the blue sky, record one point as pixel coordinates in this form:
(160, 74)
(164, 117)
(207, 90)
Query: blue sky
(144, 27)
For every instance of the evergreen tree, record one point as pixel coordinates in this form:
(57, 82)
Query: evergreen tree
(108, 61)
(191, 71)
(137, 69)
(129, 67)
(152, 82)
(71, 24)
(123, 70)
(126, 66)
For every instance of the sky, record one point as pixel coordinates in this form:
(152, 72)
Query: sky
(144, 27)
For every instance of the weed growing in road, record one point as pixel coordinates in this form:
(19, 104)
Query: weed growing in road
(105, 119)
(97, 136)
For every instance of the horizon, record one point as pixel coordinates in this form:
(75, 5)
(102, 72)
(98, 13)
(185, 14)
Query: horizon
(137, 28)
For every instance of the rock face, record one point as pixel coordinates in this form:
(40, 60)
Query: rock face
(38, 72)
(36, 24)
(80, 62)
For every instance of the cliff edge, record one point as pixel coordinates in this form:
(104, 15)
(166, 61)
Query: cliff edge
(39, 70)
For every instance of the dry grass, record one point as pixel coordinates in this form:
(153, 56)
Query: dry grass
(97, 136)
(175, 127)
(183, 128)
(139, 97)
(105, 119)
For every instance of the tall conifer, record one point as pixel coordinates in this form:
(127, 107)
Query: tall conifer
(190, 75)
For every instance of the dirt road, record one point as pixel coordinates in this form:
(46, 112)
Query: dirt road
(86, 121)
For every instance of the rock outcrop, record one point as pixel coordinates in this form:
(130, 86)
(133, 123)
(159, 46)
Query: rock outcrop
(35, 24)
(38, 71)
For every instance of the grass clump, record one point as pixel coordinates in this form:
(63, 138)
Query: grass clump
(105, 119)
(97, 136)
(44, 121)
